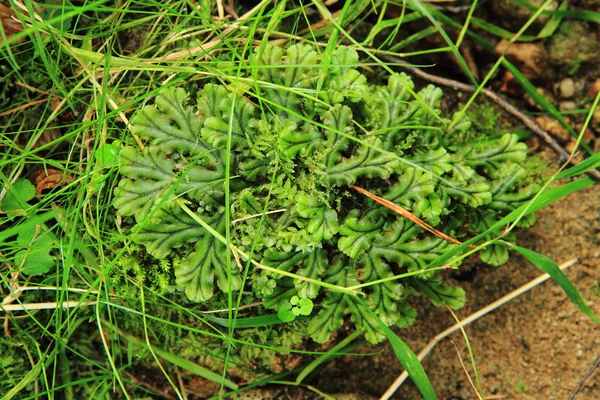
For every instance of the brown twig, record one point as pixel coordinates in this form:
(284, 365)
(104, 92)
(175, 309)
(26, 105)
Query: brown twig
(505, 105)
(406, 214)
(585, 378)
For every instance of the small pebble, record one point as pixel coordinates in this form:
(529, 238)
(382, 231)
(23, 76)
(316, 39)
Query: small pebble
(566, 88)
(567, 105)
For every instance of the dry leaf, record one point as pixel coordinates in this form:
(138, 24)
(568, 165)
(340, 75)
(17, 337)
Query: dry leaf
(532, 57)
(48, 178)
(10, 24)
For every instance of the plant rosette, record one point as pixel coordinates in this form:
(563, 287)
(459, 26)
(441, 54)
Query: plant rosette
(288, 147)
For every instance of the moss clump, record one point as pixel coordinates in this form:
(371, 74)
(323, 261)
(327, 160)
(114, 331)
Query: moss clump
(573, 46)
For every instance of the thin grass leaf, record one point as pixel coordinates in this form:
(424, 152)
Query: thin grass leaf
(186, 364)
(249, 322)
(425, 10)
(540, 202)
(327, 356)
(550, 267)
(406, 356)
(553, 22)
(541, 100)
(588, 164)
(29, 224)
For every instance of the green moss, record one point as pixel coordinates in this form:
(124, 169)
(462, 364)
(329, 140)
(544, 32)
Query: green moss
(573, 45)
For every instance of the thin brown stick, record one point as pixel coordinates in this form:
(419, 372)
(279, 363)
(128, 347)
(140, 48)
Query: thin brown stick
(464, 367)
(585, 378)
(406, 214)
(505, 105)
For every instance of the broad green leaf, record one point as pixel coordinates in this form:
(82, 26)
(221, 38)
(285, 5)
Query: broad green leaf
(323, 220)
(313, 266)
(492, 154)
(410, 189)
(169, 124)
(440, 294)
(236, 114)
(366, 163)
(168, 228)
(106, 156)
(284, 312)
(207, 264)
(18, 195)
(402, 245)
(152, 177)
(286, 77)
(550, 267)
(358, 231)
(303, 141)
(36, 258)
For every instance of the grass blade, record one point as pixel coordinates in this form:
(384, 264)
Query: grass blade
(550, 267)
(186, 364)
(406, 356)
(586, 165)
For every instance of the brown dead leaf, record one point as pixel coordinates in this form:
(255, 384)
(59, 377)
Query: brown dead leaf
(48, 178)
(532, 57)
(9, 23)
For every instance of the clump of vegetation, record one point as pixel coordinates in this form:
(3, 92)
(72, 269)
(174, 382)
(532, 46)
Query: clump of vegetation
(269, 167)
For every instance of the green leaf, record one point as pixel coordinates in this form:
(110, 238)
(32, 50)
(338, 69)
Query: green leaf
(36, 259)
(389, 108)
(365, 320)
(593, 162)
(440, 294)
(408, 359)
(197, 274)
(492, 154)
(306, 306)
(284, 312)
(329, 319)
(186, 364)
(169, 124)
(338, 120)
(358, 232)
(210, 101)
(106, 156)
(344, 80)
(333, 307)
(152, 177)
(283, 292)
(236, 114)
(411, 190)
(402, 246)
(550, 267)
(494, 254)
(474, 192)
(286, 77)
(18, 195)
(303, 141)
(323, 220)
(366, 163)
(313, 266)
(168, 228)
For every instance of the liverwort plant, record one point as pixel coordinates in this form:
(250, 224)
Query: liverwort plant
(302, 133)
